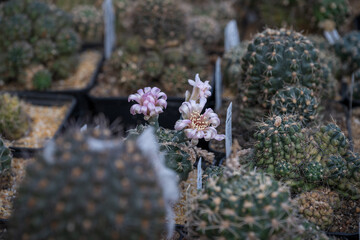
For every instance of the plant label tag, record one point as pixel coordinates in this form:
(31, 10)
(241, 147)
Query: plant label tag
(218, 85)
(109, 22)
(83, 128)
(199, 175)
(336, 35)
(232, 38)
(228, 131)
(328, 35)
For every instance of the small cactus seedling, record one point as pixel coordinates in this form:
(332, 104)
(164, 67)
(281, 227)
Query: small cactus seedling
(5, 165)
(14, 122)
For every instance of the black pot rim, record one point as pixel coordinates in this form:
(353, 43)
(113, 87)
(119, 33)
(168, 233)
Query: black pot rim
(47, 100)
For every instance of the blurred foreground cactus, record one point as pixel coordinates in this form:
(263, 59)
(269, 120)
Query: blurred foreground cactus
(98, 188)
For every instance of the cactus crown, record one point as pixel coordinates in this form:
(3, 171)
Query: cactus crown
(276, 59)
(14, 122)
(98, 188)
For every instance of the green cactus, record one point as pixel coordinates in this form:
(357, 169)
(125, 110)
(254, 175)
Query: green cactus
(159, 22)
(18, 56)
(174, 78)
(89, 23)
(67, 41)
(331, 10)
(13, 7)
(132, 44)
(5, 166)
(14, 28)
(350, 186)
(33, 32)
(205, 29)
(14, 122)
(153, 65)
(62, 67)
(331, 140)
(318, 206)
(298, 101)
(195, 54)
(42, 80)
(248, 205)
(314, 172)
(231, 65)
(276, 59)
(348, 51)
(173, 55)
(35, 10)
(94, 193)
(45, 50)
(46, 27)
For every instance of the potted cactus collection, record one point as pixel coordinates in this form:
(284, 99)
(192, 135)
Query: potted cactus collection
(188, 126)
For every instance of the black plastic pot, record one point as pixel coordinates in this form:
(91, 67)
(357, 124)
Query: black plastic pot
(349, 236)
(44, 99)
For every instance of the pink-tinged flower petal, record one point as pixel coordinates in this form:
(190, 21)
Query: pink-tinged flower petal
(151, 102)
(198, 125)
(181, 124)
(219, 137)
(192, 82)
(135, 109)
(134, 97)
(162, 103)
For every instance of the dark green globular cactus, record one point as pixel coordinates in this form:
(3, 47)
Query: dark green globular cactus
(204, 29)
(159, 22)
(67, 41)
(46, 27)
(231, 64)
(35, 10)
(63, 67)
(298, 101)
(331, 140)
(276, 59)
(348, 49)
(174, 78)
(17, 57)
(153, 65)
(248, 205)
(45, 50)
(14, 122)
(42, 80)
(89, 23)
(97, 188)
(350, 186)
(15, 28)
(335, 11)
(35, 33)
(5, 165)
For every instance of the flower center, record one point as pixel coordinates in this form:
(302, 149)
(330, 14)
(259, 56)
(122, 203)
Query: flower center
(198, 121)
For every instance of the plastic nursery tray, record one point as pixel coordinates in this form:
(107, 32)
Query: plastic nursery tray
(115, 108)
(82, 108)
(44, 99)
(349, 236)
(4, 222)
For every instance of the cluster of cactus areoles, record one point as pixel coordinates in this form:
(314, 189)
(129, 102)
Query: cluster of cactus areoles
(98, 188)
